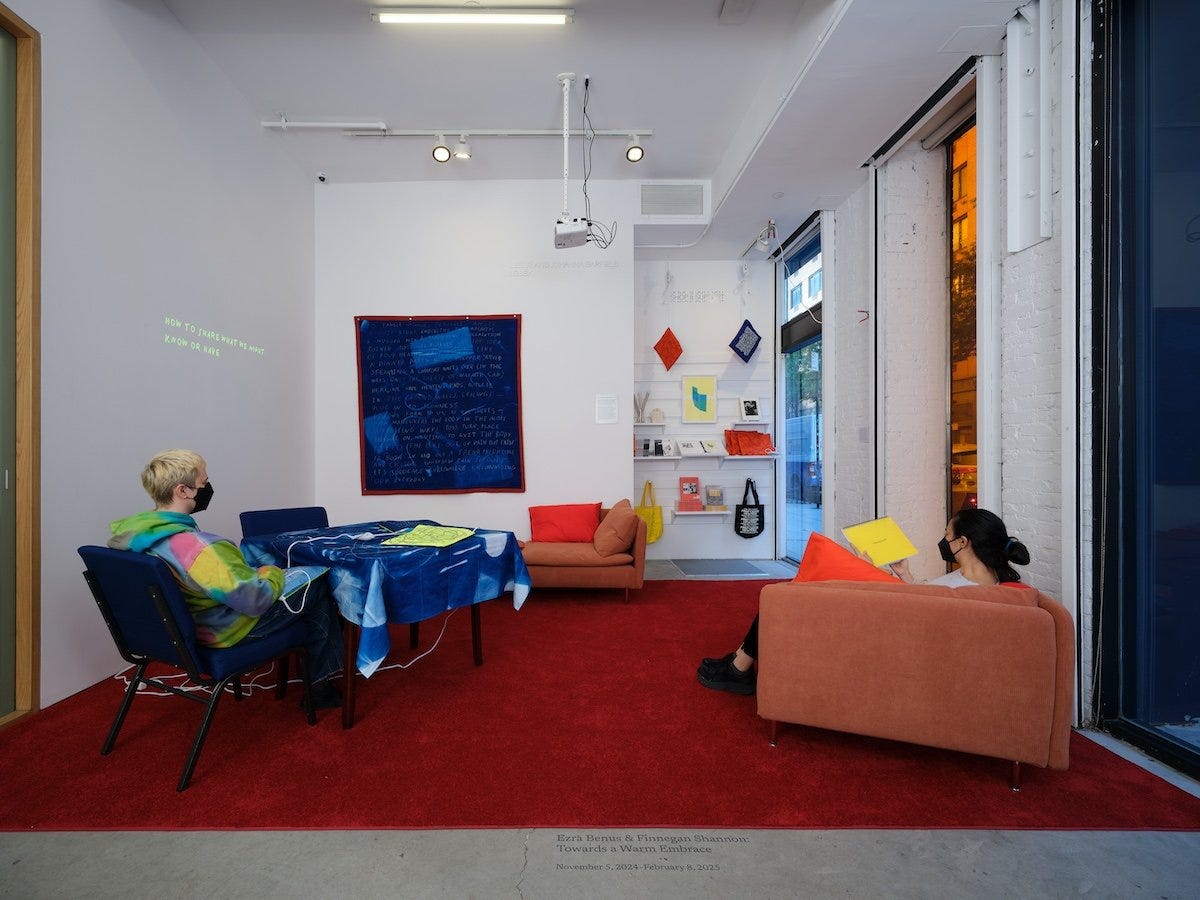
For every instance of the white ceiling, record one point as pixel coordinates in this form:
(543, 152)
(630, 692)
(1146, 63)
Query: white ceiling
(780, 112)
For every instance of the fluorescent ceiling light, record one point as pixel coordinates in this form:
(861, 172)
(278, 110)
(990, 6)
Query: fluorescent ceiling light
(435, 15)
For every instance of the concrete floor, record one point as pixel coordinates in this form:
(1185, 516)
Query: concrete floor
(530, 865)
(536, 863)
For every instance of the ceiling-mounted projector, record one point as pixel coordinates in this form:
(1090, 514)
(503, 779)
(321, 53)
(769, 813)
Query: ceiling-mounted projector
(570, 233)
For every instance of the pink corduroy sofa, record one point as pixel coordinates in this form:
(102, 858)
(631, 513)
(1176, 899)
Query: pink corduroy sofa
(987, 670)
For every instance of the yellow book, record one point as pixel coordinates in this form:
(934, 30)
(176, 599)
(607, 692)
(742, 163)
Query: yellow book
(881, 539)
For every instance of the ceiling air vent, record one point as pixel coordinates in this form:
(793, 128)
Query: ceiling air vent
(674, 202)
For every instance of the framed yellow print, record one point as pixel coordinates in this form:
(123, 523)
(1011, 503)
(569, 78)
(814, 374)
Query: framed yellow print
(700, 398)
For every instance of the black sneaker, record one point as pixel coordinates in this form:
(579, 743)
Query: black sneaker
(709, 665)
(728, 679)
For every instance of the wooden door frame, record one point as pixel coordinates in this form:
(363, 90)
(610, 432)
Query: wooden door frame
(28, 365)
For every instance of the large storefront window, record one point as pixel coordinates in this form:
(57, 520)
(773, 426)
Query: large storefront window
(1148, 480)
(803, 420)
(964, 452)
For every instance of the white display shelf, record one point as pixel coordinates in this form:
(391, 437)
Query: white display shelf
(649, 424)
(654, 458)
(703, 512)
(761, 457)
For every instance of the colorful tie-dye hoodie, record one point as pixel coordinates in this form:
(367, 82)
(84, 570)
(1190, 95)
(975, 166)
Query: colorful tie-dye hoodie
(225, 595)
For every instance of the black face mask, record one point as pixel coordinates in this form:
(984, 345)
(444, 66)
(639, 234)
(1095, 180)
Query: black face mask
(203, 496)
(944, 549)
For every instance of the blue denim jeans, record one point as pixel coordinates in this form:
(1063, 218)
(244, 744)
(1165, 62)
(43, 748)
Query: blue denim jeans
(320, 615)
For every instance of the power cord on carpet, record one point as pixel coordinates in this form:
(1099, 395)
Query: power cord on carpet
(249, 687)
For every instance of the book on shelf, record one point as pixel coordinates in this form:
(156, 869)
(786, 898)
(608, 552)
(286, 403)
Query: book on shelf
(714, 498)
(689, 494)
(700, 447)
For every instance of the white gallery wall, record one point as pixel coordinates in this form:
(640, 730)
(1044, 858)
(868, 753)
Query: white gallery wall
(704, 303)
(481, 248)
(176, 298)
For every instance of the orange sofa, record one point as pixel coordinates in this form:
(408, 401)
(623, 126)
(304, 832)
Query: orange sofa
(578, 565)
(987, 670)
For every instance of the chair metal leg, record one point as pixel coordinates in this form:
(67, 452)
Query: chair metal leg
(237, 689)
(1014, 778)
(126, 701)
(198, 744)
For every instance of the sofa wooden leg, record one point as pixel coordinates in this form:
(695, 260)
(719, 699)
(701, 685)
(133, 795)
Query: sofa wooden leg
(1014, 779)
(626, 595)
(774, 733)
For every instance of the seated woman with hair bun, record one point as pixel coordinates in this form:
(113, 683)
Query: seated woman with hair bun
(975, 539)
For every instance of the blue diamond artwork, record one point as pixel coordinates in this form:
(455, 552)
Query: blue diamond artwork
(746, 341)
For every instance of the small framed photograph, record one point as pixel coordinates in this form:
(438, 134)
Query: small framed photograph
(749, 408)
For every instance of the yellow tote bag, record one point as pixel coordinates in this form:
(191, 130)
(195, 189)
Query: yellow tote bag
(651, 513)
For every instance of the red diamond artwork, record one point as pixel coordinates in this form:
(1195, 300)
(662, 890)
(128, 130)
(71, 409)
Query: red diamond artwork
(668, 348)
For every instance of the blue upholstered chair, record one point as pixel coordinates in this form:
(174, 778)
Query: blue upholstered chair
(275, 521)
(149, 620)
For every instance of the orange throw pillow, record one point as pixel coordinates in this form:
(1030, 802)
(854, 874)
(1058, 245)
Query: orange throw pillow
(617, 530)
(567, 523)
(826, 560)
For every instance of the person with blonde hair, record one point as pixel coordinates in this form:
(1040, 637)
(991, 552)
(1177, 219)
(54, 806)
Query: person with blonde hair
(230, 600)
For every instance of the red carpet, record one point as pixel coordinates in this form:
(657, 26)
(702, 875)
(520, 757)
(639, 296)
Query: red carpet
(586, 713)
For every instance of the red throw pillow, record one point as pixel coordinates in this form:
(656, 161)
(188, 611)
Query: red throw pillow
(826, 560)
(567, 522)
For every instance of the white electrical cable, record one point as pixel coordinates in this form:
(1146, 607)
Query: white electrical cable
(566, 78)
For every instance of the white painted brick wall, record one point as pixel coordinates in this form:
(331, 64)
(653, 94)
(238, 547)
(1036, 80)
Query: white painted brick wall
(850, 449)
(912, 351)
(912, 354)
(1031, 372)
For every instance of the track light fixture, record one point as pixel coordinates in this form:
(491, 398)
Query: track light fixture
(634, 150)
(441, 152)
(462, 150)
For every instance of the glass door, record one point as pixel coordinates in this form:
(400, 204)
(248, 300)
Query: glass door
(803, 423)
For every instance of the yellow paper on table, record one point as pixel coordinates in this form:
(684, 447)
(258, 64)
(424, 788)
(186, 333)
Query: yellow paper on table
(881, 539)
(430, 536)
